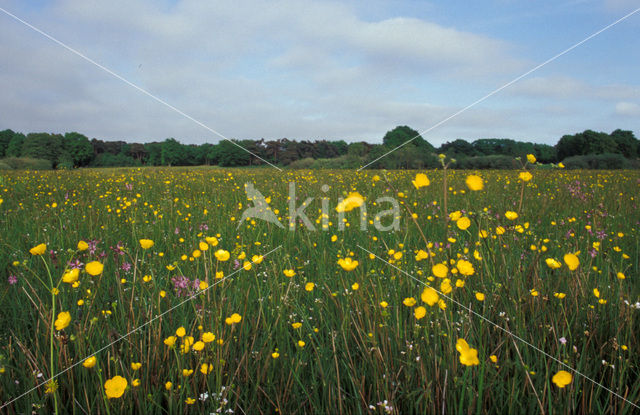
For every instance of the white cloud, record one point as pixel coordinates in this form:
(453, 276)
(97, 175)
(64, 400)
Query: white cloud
(564, 87)
(628, 109)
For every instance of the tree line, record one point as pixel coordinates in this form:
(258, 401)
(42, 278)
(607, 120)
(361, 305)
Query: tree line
(588, 149)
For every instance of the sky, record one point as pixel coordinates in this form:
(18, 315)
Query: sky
(310, 70)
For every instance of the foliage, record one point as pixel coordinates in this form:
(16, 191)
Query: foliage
(25, 163)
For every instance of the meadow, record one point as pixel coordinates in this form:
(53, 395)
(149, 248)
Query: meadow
(142, 291)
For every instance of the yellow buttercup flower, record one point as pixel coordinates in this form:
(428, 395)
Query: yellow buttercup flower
(419, 312)
(309, 286)
(429, 296)
(180, 332)
(63, 320)
(468, 355)
(222, 255)
(465, 267)
(90, 362)
(71, 276)
(289, 273)
(572, 261)
(83, 246)
(480, 296)
(463, 223)
(233, 319)
(440, 270)
(206, 368)
(511, 215)
(135, 366)
(170, 341)
(562, 378)
(353, 200)
(421, 180)
(347, 263)
(208, 337)
(94, 268)
(553, 263)
(409, 301)
(115, 387)
(474, 182)
(531, 158)
(38, 249)
(146, 243)
(525, 176)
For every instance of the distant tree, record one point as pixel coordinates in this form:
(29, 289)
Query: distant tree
(545, 153)
(154, 153)
(78, 149)
(626, 143)
(173, 153)
(403, 134)
(230, 155)
(15, 145)
(5, 139)
(458, 148)
(43, 146)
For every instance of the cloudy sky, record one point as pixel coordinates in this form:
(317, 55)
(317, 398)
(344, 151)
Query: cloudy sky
(306, 69)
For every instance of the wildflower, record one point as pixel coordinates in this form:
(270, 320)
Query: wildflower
(384, 304)
(38, 249)
(531, 158)
(309, 286)
(180, 332)
(454, 216)
(114, 387)
(562, 378)
(525, 176)
(71, 276)
(275, 355)
(409, 301)
(296, 325)
(474, 182)
(190, 401)
(208, 337)
(421, 180)
(534, 292)
(168, 386)
(480, 296)
(301, 343)
(429, 296)
(213, 241)
(198, 346)
(440, 270)
(468, 355)
(52, 386)
(347, 263)
(463, 223)
(135, 366)
(355, 286)
(94, 268)
(596, 292)
(553, 263)
(234, 318)
(500, 230)
(561, 165)
(222, 255)
(83, 246)
(352, 201)
(572, 261)
(419, 312)
(146, 243)
(493, 358)
(620, 276)
(63, 320)
(90, 362)
(465, 267)
(511, 215)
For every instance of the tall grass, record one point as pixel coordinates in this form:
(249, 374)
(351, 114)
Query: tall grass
(358, 356)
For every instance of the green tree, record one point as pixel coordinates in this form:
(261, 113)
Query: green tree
(626, 143)
(15, 145)
(5, 139)
(403, 134)
(78, 148)
(230, 155)
(43, 146)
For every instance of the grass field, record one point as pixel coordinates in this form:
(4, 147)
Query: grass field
(187, 309)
